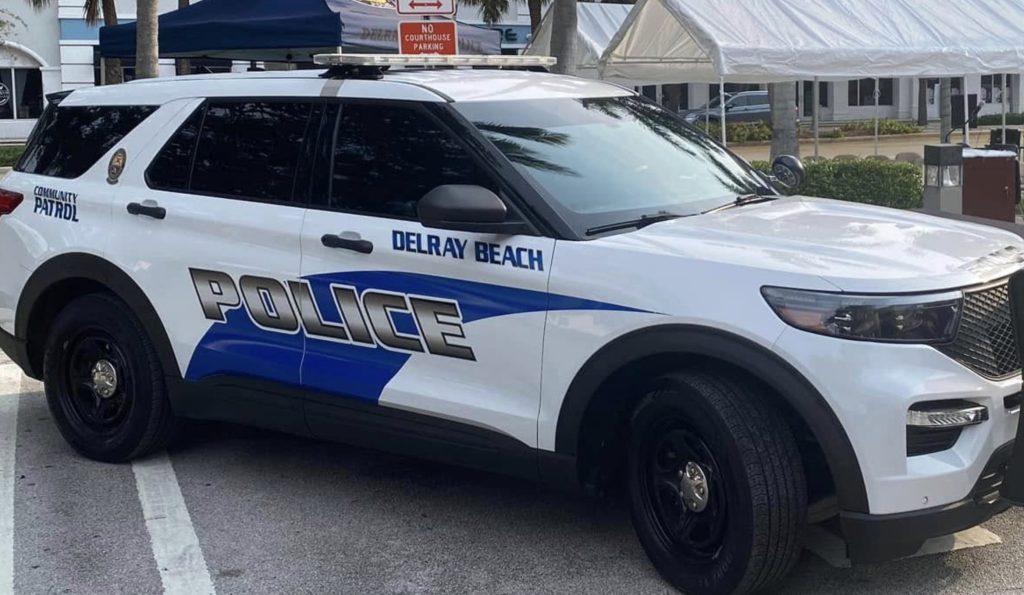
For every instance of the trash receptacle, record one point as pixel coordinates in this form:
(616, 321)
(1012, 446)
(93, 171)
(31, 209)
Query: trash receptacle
(991, 183)
(995, 137)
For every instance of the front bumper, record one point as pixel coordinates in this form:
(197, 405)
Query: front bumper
(876, 538)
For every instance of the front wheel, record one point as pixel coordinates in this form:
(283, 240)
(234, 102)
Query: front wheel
(104, 384)
(716, 486)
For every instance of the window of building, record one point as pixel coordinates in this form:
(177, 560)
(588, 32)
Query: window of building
(21, 93)
(250, 149)
(862, 92)
(732, 88)
(67, 141)
(805, 96)
(386, 158)
(992, 88)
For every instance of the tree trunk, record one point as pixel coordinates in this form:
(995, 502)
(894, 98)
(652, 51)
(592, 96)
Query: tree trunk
(536, 14)
(922, 102)
(183, 66)
(147, 50)
(112, 73)
(563, 35)
(782, 97)
(945, 107)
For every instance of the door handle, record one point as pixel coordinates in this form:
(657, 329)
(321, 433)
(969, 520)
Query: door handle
(147, 210)
(354, 244)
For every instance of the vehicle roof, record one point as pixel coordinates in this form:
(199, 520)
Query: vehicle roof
(436, 85)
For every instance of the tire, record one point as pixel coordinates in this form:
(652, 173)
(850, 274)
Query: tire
(748, 534)
(122, 414)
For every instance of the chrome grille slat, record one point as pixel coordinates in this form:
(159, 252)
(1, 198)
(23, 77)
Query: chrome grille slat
(986, 341)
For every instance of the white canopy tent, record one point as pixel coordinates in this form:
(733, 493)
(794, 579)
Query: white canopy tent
(789, 40)
(596, 24)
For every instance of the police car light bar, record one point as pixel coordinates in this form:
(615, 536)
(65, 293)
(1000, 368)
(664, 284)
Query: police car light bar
(431, 60)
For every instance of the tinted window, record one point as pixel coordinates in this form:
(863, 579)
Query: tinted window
(606, 160)
(250, 149)
(170, 168)
(386, 158)
(67, 141)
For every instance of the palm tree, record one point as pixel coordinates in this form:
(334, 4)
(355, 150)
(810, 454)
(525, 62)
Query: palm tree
(782, 97)
(147, 64)
(945, 107)
(491, 11)
(182, 66)
(563, 35)
(112, 73)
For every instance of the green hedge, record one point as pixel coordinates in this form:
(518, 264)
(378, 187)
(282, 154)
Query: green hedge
(884, 183)
(997, 120)
(885, 127)
(738, 132)
(9, 154)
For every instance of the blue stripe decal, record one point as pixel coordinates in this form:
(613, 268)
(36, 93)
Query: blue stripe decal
(239, 347)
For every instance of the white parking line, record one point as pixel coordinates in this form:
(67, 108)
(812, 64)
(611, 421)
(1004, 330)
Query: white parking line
(175, 545)
(10, 386)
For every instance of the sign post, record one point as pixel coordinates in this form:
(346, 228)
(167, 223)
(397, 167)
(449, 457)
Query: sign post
(426, 7)
(427, 37)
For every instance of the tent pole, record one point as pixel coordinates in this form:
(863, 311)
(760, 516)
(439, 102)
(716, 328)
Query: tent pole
(967, 121)
(814, 113)
(877, 94)
(1002, 101)
(721, 107)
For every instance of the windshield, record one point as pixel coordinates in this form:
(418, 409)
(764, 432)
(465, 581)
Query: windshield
(609, 160)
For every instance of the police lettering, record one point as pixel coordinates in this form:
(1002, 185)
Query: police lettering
(274, 307)
(449, 247)
(56, 203)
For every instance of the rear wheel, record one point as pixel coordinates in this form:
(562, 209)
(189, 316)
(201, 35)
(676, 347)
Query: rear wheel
(716, 486)
(104, 383)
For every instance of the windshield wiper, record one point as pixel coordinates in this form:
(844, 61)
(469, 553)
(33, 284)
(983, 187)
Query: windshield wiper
(741, 200)
(639, 223)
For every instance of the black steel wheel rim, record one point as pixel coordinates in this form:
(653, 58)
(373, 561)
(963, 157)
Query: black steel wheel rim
(89, 410)
(695, 537)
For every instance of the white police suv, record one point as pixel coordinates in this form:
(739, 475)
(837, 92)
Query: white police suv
(524, 272)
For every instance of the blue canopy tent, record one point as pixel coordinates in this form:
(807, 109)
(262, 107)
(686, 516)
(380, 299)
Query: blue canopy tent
(283, 30)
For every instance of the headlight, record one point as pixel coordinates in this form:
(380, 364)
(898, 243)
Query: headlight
(888, 318)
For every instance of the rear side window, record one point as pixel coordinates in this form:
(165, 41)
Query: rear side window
(235, 149)
(171, 168)
(67, 141)
(387, 157)
(250, 149)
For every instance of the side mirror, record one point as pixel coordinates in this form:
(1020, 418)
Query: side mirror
(788, 171)
(462, 207)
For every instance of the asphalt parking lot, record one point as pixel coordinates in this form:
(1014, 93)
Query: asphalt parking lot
(237, 510)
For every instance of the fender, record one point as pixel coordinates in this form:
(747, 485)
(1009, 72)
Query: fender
(738, 351)
(93, 268)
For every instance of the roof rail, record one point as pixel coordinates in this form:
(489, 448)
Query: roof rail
(372, 66)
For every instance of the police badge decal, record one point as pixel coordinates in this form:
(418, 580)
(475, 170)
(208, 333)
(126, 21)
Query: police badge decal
(116, 166)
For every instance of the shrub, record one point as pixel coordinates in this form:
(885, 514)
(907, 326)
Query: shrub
(997, 120)
(9, 154)
(884, 127)
(739, 132)
(869, 181)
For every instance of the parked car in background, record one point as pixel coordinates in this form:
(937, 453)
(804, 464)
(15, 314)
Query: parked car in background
(747, 106)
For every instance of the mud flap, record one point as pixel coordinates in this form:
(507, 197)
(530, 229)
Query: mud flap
(1013, 483)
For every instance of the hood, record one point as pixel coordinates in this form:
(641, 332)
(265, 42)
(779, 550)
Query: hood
(855, 247)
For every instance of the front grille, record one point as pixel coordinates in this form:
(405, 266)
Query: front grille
(985, 341)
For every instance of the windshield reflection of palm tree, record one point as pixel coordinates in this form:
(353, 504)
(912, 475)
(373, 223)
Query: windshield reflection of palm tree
(505, 138)
(669, 128)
